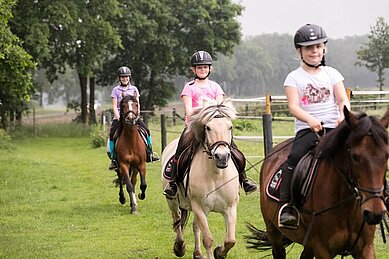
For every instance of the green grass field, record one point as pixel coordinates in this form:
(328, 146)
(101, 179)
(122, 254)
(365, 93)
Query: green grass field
(57, 200)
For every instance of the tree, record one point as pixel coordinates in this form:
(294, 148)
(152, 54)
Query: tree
(69, 33)
(374, 55)
(159, 36)
(15, 70)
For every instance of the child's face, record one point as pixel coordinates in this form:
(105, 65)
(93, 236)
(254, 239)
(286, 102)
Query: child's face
(124, 80)
(201, 71)
(313, 54)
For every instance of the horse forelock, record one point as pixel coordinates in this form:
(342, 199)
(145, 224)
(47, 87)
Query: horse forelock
(199, 119)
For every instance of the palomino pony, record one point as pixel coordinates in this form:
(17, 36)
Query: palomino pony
(212, 184)
(131, 152)
(345, 202)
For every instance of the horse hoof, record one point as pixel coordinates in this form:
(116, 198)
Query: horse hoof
(141, 196)
(179, 248)
(122, 200)
(198, 256)
(134, 211)
(216, 253)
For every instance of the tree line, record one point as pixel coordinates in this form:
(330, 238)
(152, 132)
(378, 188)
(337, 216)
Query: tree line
(155, 38)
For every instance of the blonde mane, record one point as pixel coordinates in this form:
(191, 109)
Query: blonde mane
(196, 127)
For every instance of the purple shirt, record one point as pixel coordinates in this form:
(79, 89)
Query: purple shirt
(118, 92)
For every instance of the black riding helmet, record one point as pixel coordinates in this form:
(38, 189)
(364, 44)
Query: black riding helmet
(124, 71)
(201, 58)
(309, 34)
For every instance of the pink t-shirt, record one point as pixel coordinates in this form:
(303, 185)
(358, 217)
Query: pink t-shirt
(201, 94)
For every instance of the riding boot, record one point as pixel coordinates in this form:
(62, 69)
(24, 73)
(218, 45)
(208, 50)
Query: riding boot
(170, 190)
(151, 156)
(286, 217)
(240, 163)
(114, 163)
(247, 186)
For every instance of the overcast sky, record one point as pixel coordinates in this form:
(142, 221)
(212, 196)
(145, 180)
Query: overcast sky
(339, 18)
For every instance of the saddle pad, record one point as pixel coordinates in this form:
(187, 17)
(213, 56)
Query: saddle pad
(273, 187)
(167, 171)
(302, 180)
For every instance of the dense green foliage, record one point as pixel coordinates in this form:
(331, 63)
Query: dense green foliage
(15, 70)
(154, 38)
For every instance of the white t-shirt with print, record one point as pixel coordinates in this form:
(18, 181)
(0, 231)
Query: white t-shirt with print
(316, 94)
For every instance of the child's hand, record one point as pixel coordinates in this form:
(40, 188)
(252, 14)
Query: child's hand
(315, 125)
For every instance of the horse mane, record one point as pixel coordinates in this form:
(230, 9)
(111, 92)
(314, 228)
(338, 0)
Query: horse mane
(345, 134)
(196, 128)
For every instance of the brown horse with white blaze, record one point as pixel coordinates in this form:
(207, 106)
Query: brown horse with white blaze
(131, 153)
(346, 200)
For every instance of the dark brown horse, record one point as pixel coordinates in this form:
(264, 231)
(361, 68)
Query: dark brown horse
(131, 152)
(346, 201)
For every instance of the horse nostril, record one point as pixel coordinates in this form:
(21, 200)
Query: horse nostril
(371, 218)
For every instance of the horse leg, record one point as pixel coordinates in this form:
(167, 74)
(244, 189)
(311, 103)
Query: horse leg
(220, 252)
(122, 198)
(133, 183)
(178, 222)
(197, 249)
(130, 190)
(201, 220)
(143, 184)
(307, 253)
(275, 238)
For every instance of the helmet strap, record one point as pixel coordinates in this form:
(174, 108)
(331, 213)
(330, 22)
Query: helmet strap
(322, 62)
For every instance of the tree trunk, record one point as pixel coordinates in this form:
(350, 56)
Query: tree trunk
(84, 98)
(92, 112)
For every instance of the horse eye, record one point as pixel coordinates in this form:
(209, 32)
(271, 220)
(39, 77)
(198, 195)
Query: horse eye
(355, 157)
(207, 128)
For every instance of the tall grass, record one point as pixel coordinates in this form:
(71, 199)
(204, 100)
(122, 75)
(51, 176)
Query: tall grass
(57, 200)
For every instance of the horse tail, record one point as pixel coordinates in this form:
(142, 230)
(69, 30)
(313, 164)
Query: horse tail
(183, 220)
(259, 239)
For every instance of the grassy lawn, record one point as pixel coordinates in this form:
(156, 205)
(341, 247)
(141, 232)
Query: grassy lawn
(57, 200)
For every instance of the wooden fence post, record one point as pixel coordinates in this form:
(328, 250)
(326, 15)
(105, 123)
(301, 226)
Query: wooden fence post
(267, 127)
(163, 132)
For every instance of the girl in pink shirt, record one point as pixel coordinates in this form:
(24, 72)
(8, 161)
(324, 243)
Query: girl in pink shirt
(195, 95)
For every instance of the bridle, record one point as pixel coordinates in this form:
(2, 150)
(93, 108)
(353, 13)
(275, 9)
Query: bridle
(127, 117)
(210, 148)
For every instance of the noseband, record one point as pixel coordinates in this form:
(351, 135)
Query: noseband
(210, 149)
(128, 120)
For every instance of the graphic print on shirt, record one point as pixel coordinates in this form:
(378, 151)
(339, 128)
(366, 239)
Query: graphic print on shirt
(315, 94)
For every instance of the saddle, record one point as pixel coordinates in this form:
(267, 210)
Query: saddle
(142, 132)
(302, 181)
(183, 165)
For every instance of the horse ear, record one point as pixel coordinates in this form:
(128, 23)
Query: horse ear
(349, 117)
(385, 119)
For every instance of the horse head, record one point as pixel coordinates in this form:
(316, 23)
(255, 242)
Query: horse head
(129, 110)
(367, 155)
(211, 127)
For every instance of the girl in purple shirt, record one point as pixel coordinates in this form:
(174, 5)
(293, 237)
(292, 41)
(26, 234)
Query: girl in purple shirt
(118, 92)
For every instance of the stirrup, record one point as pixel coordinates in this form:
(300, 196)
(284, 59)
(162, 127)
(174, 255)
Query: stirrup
(113, 165)
(171, 190)
(297, 218)
(154, 157)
